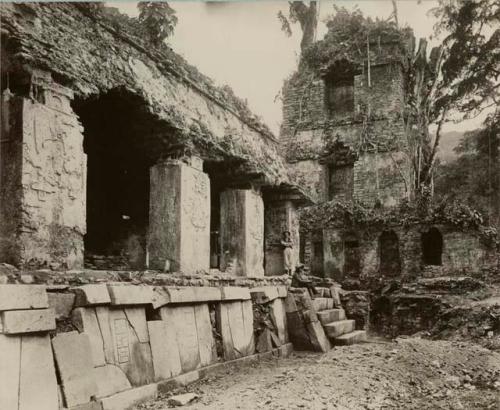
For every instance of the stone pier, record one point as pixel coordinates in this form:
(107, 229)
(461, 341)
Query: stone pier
(179, 216)
(242, 232)
(42, 178)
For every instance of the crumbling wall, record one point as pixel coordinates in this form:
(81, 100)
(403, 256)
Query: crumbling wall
(45, 145)
(115, 345)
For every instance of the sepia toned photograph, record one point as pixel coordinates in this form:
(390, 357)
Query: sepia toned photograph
(250, 205)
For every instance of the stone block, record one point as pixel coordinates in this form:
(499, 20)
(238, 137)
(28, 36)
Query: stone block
(235, 293)
(206, 342)
(15, 297)
(129, 399)
(74, 361)
(85, 320)
(334, 292)
(61, 303)
(182, 399)
(235, 323)
(182, 320)
(179, 217)
(192, 294)
(321, 304)
(136, 317)
(37, 383)
(110, 379)
(297, 331)
(92, 405)
(181, 380)
(285, 350)
(282, 291)
(91, 295)
(358, 336)
(10, 359)
(165, 351)
(130, 354)
(270, 292)
(131, 294)
(242, 232)
(279, 318)
(28, 321)
(317, 337)
(339, 328)
(331, 315)
(290, 304)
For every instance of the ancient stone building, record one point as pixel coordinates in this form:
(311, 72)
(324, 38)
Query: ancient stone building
(344, 138)
(119, 156)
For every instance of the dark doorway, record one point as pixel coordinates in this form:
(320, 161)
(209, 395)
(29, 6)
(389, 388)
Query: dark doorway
(390, 261)
(120, 151)
(317, 262)
(352, 256)
(432, 247)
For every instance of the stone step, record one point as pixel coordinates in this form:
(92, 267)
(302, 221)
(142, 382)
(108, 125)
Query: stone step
(358, 336)
(331, 315)
(339, 328)
(322, 304)
(323, 292)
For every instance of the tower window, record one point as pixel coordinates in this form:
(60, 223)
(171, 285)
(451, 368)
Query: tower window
(339, 94)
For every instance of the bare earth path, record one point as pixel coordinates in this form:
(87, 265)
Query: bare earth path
(410, 374)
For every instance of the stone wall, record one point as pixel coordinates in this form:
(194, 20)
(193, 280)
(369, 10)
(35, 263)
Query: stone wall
(463, 254)
(114, 345)
(44, 167)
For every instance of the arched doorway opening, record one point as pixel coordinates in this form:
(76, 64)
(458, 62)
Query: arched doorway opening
(432, 247)
(390, 261)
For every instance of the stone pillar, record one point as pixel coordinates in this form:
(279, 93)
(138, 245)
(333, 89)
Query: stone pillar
(242, 232)
(280, 216)
(43, 179)
(179, 216)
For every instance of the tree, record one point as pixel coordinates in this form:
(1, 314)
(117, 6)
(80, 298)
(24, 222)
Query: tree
(158, 21)
(474, 177)
(306, 16)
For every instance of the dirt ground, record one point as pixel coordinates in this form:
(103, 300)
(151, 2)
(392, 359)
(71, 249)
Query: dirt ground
(406, 374)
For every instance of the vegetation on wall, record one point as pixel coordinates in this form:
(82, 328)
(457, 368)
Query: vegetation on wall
(158, 21)
(358, 216)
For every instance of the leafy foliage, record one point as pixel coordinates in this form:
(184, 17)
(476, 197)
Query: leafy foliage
(158, 20)
(474, 177)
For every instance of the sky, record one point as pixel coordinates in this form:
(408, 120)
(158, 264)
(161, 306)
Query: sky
(241, 43)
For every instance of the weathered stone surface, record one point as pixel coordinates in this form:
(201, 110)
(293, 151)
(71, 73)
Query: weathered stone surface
(93, 405)
(190, 294)
(236, 327)
(91, 294)
(331, 315)
(128, 399)
(103, 320)
(165, 351)
(357, 336)
(235, 293)
(179, 217)
(290, 304)
(182, 399)
(61, 303)
(109, 380)
(182, 320)
(130, 294)
(282, 291)
(279, 316)
(339, 328)
(10, 359)
(85, 320)
(14, 297)
(179, 381)
(322, 303)
(136, 317)
(317, 337)
(206, 343)
(28, 321)
(37, 383)
(334, 291)
(130, 354)
(74, 361)
(46, 194)
(285, 350)
(242, 232)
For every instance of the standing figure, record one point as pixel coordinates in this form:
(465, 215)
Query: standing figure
(286, 242)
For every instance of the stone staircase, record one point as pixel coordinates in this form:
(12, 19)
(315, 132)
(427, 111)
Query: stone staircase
(338, 329)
